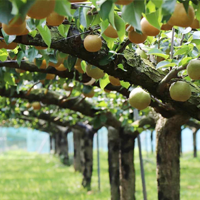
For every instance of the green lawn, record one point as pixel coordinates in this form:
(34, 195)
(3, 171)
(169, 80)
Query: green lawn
(29, 176)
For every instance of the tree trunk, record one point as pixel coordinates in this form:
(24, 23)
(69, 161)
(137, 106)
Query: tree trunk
(57, 143)
(87, 157)
(127, 170)
(168, 153)
(77, 150)
(181, 149)
(151, 137)
(63, 146)
(50, 142)
(113, 162)
(194, 133)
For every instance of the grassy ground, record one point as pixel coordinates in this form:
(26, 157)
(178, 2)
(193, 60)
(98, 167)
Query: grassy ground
(26, 176)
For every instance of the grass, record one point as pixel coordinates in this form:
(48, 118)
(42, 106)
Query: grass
(30, 176)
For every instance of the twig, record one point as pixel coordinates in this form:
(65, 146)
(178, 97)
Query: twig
(183, 36)
(77, 103)
(65, 98)
(75, 35)
(124, 45)
(181, 43)
(28, 92)
(159, 102)
(46, 91)
(172, 74)
(159, 41)
(172, 44)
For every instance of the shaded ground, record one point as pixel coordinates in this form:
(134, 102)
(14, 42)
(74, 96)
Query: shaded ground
(25, 176)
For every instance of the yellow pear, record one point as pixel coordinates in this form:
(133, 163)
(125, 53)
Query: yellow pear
(140, 99)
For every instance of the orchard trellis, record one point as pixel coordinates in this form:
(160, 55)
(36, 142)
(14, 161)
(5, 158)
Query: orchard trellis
(42, 39)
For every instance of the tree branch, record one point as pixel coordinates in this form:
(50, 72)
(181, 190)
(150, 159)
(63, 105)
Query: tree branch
(53, 98)
(135, 70)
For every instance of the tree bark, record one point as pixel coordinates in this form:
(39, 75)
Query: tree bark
(87, 156)
(194, 133)
(181, 149)
(168, 153)
(77, 150)
(63, 146)
(151, 138)
(57, 146)
(113, 162)
(127, 170)
(51, 143)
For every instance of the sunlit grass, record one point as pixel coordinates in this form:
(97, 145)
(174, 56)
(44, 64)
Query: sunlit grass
(29, 176)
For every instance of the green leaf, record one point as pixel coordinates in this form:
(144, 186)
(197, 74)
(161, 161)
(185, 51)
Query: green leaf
(104, 24)
(157, 3)
(63, 30)
(121, 66)
(87, 89)
(183, 50)
(8, 38)
(167, 9)
(109, 41)
(132, 13)
(158, 52)
(33, 33)
(5, 11)
(105, 60)
(38, 76)
(85, 19)
(3, 55)
(45, 33)
(8, 78)
(198, 12)
(104, 81)
(154, 18)
(83, 65)
(186, 5)
(185, 61)
(96, 20)
(63, 8)
(21, 7)
(105, 9)
(12, 54)
(165, 64)
(102, 104)
(38, 62)
(20, 56)
(96, 122)
(125, 84)
(99, 120)
(31, 53)
(120, 24)
(197, 43)
(70, 62)
(94, 2)
(150, 7)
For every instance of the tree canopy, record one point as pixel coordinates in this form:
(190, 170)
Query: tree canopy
(43, 50)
